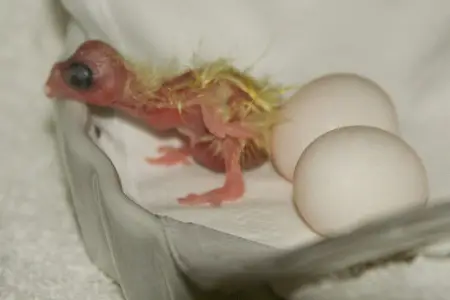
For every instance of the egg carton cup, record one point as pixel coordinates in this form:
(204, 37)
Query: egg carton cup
(153, 257)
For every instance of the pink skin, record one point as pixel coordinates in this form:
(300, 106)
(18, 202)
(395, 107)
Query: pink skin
(171, 156)
(113, 87)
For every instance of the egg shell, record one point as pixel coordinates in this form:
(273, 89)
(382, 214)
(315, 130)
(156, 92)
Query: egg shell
(324, 104)
(352, 175)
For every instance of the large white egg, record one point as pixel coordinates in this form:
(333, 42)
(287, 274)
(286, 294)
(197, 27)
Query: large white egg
(324, 104)
(356, 174)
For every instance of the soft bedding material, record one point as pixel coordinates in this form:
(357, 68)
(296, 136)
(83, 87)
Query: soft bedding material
(401, 44)
(41, 254)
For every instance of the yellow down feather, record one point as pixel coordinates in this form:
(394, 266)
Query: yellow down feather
(260, 114)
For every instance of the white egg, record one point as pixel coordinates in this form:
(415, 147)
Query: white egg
(325, 104)
(355, 174)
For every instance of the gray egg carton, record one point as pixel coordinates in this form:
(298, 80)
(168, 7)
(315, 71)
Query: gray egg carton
(153, 257)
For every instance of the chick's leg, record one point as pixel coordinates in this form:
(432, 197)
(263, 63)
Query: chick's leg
(233, 188)
(176, 155)
(171, 156)
(215, 123)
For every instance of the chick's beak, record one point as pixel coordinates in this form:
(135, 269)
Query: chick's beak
(48, 91)
(51, 83)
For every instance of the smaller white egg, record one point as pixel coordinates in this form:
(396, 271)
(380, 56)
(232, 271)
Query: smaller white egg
(324, 104)
(353, 175)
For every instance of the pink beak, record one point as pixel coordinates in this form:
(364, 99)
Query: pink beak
(48, 92)
(52, 80)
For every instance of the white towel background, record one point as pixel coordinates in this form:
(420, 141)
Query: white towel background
(402, 46)
(41, 255)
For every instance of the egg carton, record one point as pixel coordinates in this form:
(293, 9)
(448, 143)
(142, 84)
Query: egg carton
(153, 257)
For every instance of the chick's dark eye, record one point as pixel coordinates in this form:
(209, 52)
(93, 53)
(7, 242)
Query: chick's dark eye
(79, 76)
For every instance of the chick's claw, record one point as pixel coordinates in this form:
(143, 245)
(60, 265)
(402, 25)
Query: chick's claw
(214, 198)
(171, 156)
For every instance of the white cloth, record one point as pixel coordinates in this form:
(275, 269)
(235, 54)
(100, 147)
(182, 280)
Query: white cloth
(41, 254)
(402, 45)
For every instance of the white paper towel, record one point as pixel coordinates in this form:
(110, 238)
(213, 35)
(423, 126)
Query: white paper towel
(266, 214)
(404, 46)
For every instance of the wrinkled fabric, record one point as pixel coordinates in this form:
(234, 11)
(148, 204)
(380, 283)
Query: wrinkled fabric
(403, 46)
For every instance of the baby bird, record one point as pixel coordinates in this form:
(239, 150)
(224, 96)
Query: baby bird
(224, 117)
